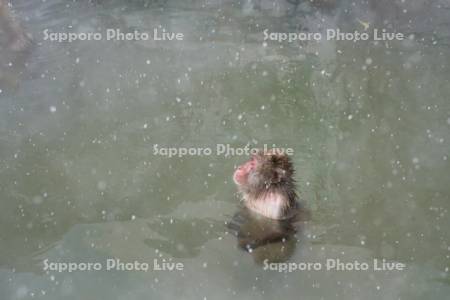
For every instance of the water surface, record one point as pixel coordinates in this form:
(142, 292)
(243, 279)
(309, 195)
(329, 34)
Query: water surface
(369, 124)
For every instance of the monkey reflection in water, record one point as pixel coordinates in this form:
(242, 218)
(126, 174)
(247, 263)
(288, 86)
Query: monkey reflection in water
(270, 221)
(17, 39)
(15, 46)
(264, 238)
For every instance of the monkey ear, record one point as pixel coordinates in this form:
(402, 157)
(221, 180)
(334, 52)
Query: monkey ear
(279, 175)
(273, 159)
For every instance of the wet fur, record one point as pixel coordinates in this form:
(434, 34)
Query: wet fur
(270, 190)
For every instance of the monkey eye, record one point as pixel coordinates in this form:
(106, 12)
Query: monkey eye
(252, 162)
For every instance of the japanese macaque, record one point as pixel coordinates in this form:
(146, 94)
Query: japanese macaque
(17, 39)
(267, 185)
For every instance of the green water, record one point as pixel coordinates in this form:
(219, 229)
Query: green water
(79, 180)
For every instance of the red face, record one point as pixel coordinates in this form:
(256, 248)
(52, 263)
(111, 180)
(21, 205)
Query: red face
(240, 176)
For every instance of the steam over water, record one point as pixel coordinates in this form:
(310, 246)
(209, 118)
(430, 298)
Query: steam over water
(80, 181)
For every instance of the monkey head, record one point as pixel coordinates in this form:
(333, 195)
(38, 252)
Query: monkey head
(264, 170)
